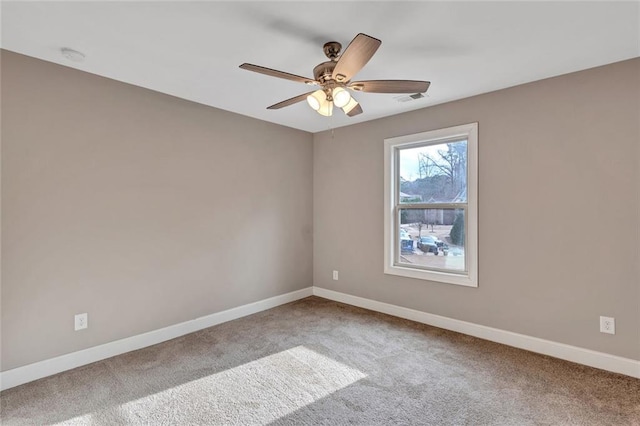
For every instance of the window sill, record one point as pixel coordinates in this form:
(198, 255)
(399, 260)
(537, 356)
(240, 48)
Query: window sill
(436, 276)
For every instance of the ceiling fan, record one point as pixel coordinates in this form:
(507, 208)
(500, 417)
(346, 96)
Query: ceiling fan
(334, 78)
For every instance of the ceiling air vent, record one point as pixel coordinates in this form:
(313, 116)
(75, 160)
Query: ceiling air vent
(407, 98)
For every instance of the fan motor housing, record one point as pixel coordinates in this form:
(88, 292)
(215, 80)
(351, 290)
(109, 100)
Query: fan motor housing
(323, 72)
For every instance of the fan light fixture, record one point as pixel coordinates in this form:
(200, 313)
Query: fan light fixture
(326, 108)
(316, 99)
(318, 102)
(341, 98)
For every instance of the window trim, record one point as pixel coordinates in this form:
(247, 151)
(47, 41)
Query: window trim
(391, 192)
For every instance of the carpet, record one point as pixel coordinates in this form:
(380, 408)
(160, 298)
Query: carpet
(319, 362)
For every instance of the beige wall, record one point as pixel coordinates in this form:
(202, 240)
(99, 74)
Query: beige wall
(558, 209)
(141, 209)
(145, 210)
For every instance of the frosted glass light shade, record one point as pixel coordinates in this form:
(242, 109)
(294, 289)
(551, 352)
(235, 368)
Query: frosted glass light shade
(349, 106)
(316, 99)
(341, 97)
(326, 108)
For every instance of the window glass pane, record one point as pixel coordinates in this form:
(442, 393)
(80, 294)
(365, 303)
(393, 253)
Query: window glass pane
(434, 173)
(432, 238)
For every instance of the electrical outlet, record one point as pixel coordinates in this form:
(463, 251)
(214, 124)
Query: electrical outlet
(335, 275)
(607, 325)
(81, 321)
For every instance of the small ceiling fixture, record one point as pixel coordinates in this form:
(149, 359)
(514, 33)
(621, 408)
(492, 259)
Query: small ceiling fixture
(334, 78)
(72, 55)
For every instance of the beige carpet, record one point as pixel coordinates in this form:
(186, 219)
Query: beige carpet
(320, 362)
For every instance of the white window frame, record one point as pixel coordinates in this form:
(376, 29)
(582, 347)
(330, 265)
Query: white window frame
(391, 202)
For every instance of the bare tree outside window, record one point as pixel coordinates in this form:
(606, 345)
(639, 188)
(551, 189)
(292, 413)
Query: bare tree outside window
(441, 172)
(434, 175)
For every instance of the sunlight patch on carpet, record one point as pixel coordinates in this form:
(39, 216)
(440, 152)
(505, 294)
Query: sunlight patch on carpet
(257, 392)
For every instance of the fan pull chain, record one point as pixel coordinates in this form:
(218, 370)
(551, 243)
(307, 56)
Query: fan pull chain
(330, 126)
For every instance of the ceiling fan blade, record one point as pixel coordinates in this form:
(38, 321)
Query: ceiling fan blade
(276, 73)
(355, 111)
(390, 86)
(355, 56)
(290, 101)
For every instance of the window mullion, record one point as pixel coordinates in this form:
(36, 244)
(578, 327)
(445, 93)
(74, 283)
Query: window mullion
(432, 205)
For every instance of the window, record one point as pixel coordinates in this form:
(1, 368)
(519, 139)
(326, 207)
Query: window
(431, 205)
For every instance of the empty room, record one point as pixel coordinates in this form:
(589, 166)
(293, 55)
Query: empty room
(320, 213)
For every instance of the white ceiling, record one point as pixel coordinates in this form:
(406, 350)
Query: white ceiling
(192, 50)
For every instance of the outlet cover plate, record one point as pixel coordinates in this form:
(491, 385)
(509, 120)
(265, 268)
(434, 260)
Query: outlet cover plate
(81, 321)
(608, 325)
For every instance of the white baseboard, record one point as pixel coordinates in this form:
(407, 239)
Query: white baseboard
(575, 354)
(38, 370)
